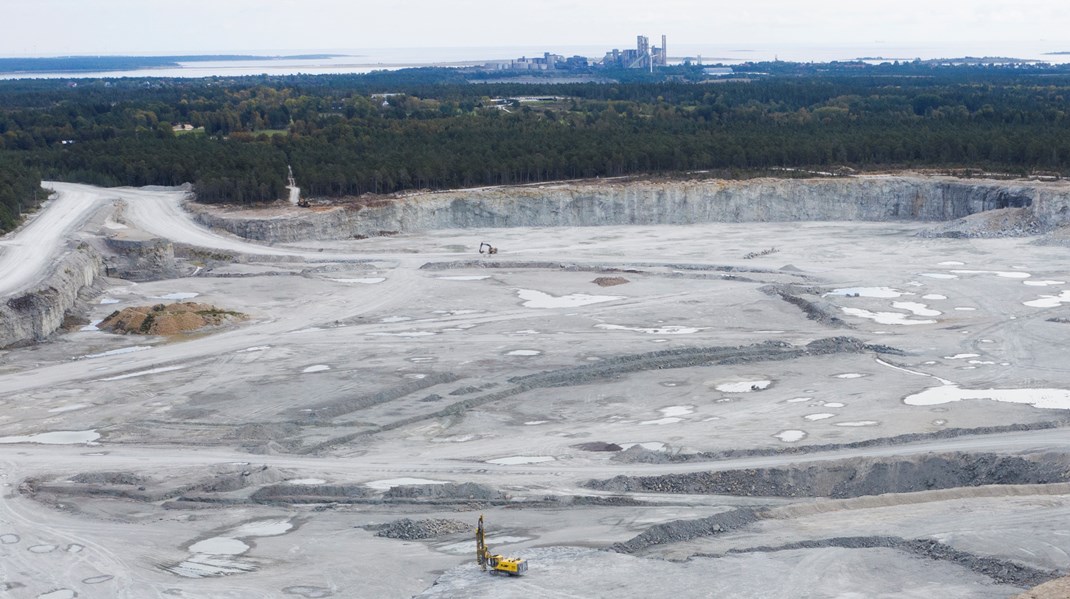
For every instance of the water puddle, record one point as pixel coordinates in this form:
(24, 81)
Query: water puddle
(934, 296)
(538, 299)
(177, 296)
(388, 483)
(961, 356)
(833, 404)
(464, 278)
(662, 421)
(104, 301)
(1049, 301)
(115, 352)
(316, 368)
(677, 411)
(881, 292)
(893, 318)
(791, 436)
(952, 263)
(743, 386)
(816, 417)
(69, 408)
(917, 309)
(92, 326)
(1052, 399)
(306, 481)
(521, 459)
(535, 422)
(914, 372)
(143, 373)
(938, 275)
(220, 546)
(253, 349)
(392, 319)
(967, 309)
(849, 375)
(857, 423)
(58, 594)
(799, 399)
(364, 281)
(1043, 283)
(56, 438)
(999, 273)
(668, 330)
(524, 352)
(219, 556)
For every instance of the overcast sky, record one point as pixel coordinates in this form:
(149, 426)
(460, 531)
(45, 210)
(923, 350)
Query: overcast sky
(51, 27)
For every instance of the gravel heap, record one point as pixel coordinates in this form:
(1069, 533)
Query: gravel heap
(411, 530)
(854, 477)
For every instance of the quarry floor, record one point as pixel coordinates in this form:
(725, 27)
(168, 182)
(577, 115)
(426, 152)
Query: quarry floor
(354, 348)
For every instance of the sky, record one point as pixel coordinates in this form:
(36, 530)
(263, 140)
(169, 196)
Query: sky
(67, 27)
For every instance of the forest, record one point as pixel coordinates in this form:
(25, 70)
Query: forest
(347, 135)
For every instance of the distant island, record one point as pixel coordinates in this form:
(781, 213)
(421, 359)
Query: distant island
(78, 64)
(1061, 53)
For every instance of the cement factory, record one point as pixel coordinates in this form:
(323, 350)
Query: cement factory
(643, 56)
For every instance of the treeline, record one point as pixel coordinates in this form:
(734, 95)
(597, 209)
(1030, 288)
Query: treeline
(382, 133)
(20, 190)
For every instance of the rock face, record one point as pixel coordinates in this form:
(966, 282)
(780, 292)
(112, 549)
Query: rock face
(868, 198)
(142, 257)
(34, 314)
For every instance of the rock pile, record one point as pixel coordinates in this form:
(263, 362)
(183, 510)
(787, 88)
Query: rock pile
(855, 477)
(610, 281)
(412, 530)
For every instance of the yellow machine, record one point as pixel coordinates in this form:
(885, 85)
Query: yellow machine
(513, 566)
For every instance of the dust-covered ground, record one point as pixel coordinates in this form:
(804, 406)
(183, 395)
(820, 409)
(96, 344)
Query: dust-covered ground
(410, 377)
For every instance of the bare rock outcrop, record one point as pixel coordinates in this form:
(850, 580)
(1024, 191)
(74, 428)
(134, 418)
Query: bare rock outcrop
(34, 314)
(866, 198)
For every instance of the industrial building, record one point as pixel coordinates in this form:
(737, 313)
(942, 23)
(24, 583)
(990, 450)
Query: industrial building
(643, 56)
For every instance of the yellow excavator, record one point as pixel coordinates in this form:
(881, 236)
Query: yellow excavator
(513, 566)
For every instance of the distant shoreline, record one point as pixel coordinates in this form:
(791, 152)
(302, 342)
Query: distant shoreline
(80, 64)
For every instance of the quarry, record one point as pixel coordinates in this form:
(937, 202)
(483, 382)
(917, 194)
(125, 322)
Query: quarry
(827, 387)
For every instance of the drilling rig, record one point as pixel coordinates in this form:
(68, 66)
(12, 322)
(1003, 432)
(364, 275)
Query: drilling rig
(295, 192)
(513, 566)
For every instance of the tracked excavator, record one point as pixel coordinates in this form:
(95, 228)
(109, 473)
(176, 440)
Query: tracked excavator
(490, 249)
(513, 566)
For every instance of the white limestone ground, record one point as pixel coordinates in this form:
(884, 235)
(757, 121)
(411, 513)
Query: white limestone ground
(389, 483)
(240, 396)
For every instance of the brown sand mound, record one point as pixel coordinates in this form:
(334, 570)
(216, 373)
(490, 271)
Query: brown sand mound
(1056, 589)
(610, 281)
(167, 319)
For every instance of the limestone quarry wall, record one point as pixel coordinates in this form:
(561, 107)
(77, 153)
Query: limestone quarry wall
(867, 198)
(33, 314)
